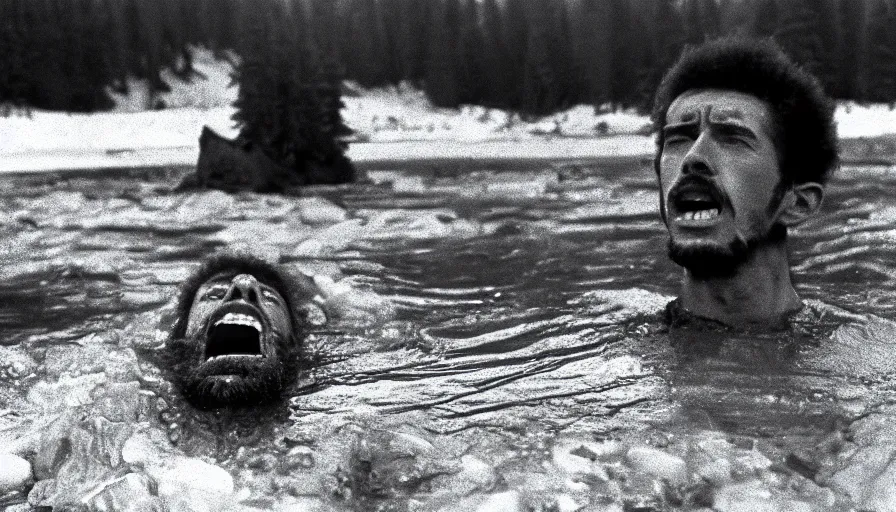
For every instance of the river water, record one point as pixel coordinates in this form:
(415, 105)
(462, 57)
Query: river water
(494, 342)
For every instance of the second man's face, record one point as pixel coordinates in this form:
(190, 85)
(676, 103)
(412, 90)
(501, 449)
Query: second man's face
(719, 176)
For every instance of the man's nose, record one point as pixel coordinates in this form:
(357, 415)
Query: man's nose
(698, 159)
(244, 287)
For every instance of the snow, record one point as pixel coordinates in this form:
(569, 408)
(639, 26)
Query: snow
(854, 121)
(393, 123)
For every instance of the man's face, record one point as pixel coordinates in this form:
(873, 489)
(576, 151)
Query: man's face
(719, 178)
(238, 300)
(236, 333)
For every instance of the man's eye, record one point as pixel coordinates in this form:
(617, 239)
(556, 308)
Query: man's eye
(215, 293)
(270, 294)
(674, 140)
(735, 140)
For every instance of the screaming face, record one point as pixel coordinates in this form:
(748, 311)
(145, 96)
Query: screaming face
(719, 180)
(236, 341)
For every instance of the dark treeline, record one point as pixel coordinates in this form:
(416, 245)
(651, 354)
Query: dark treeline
(532, 56)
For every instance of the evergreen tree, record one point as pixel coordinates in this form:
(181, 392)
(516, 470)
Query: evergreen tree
(853, 57)
(592, 49)
(880, 81)
(289, 100)
(499, 82)
(667, 35)
(470, 59)
(365, 54)
(765, 20)
(799, 33)
(629, 46)
(441, 84)
(547, 79)
(389, 25)
(413, 38)
(516, 41)
(702, 20)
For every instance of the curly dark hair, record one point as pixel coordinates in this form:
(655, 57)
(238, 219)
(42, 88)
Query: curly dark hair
(293, 291)
(805, 134)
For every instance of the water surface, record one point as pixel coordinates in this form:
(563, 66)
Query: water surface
(493, 312)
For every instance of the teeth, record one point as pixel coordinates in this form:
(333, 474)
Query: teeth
(701, 214)
(240, 319)
(249, 356)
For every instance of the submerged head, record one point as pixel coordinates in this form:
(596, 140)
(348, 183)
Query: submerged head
(746, 143)
(236, 341)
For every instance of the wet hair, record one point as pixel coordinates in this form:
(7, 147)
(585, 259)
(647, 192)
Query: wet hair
(239, 263)
(804, 131)
(264, 380)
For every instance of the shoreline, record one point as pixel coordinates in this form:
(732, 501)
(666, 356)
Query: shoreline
(614, 149)
(610, 149)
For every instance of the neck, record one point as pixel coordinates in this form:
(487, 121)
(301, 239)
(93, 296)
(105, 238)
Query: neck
(759, 293)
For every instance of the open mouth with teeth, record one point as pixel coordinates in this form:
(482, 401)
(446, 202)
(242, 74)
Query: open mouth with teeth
(235, 334)
(696, 202)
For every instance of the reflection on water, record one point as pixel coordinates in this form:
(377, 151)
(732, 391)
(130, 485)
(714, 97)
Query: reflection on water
(481, 315)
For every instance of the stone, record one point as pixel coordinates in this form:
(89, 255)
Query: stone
(118, 401)
(191, 484)
(509, 501)
(66, 392)
(717, 472)
(15, 472)
(237, 165)
(579, 457)
(55, 447)
(750, 463)
(145, 448)
(658, 463)
(317, 210)
(880, 493)
(745, 497)
(122, 365)
(566, 503)
(133, 492)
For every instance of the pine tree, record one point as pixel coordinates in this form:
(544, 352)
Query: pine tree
(441, 83)
(853, 56)
(516, 41)
(592, 33)
(667, 36)
(799, 33)
(547, 79)
(880, 81)
(499, 78)
(413, 38)
(367, 55)
(765, 20)
(629, 47)
(702, 20)
(470, 59)
(289, 100)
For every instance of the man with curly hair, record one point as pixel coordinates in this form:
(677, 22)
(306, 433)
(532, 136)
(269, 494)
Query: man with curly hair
(237, 339)
(746, 143)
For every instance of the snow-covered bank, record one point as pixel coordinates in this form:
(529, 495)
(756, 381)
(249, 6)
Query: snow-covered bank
(610, 148)
(389, 124)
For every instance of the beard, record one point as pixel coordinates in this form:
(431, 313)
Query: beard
(205, 383)
(720, 261)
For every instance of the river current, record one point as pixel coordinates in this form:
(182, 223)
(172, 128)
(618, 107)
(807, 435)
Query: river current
(495, 341)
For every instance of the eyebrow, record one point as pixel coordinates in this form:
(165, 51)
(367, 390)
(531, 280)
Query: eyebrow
(688, 128)
(728, 113)
(733, 129)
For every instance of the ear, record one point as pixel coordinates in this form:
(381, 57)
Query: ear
(800, 203)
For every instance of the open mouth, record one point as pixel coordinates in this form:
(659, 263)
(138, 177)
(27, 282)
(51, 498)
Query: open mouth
(696, 201)
(235, 334)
